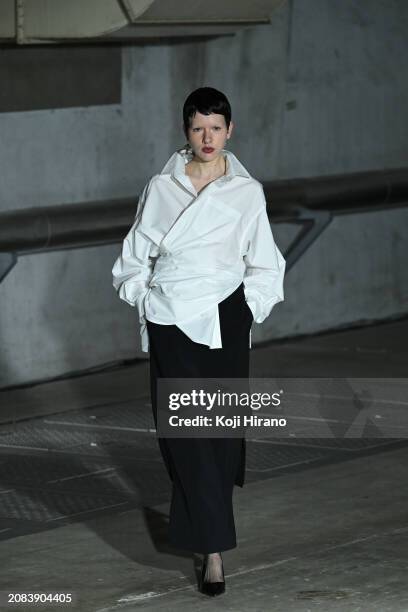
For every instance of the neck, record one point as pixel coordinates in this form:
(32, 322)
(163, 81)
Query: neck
(206, 169)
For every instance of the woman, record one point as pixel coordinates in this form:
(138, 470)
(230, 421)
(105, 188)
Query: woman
(200, 263)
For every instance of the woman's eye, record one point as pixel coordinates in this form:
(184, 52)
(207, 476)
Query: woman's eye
(197, 129)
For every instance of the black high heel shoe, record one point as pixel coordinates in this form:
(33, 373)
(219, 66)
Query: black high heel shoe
(211, 588)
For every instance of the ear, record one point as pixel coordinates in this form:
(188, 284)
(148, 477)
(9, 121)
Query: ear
(231, 127)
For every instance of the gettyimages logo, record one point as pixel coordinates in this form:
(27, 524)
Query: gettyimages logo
(228, 406)
(312, 408)
(213, 407)
(207, 400)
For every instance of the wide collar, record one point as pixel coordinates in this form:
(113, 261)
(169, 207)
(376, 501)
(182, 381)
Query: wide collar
(175, 166)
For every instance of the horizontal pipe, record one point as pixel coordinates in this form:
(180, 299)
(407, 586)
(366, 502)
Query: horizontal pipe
(93, 223)
(340, 194)
(66, 225)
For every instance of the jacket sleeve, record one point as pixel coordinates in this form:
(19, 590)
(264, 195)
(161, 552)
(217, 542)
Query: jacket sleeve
(134, 266)
(265, 266)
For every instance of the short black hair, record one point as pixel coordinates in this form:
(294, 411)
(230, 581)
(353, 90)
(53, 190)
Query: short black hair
(206, 100)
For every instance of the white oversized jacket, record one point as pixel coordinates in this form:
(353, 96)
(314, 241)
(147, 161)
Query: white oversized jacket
(186, 252)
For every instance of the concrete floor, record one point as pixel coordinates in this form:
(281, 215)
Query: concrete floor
(331, 536)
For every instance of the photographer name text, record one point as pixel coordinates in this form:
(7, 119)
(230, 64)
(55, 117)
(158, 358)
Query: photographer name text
(222, 421)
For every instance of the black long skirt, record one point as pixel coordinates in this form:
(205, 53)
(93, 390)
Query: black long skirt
(203, 471)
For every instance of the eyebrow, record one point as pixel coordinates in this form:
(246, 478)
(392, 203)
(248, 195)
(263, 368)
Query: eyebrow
(214, 125)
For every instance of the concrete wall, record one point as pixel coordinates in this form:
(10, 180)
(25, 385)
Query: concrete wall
(320, 91)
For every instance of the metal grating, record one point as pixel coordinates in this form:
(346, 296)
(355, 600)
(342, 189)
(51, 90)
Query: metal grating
(268, 457)
(77, 465)
(43, 506)
(55, 437)
(344, 444)
(128, 414)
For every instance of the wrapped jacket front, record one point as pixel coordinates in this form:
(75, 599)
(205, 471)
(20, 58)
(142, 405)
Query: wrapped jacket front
(186, 252)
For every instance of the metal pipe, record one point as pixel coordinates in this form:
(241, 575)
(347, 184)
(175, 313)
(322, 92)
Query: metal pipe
(340, 194)
(92, 223)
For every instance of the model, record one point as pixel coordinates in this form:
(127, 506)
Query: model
(200, 263)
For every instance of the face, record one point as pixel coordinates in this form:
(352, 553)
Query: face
(208, 131)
